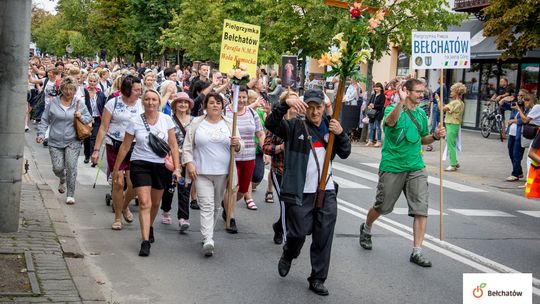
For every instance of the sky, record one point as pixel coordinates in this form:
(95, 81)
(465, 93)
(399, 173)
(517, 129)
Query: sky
(48, 5)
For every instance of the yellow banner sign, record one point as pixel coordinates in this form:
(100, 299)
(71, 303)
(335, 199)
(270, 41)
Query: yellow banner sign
(239, 42)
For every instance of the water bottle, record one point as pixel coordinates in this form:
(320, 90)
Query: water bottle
(182, 181)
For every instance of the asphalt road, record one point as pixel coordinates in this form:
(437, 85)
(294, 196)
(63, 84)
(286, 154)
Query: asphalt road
(244, 267)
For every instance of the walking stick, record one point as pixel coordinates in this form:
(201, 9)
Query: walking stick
(231, 200)
(99, 167)
(441, 227)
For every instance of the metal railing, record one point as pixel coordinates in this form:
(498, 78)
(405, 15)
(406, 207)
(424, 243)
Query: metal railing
(466, 5)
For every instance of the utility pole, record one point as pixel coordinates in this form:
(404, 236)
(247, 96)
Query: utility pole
(15, 16)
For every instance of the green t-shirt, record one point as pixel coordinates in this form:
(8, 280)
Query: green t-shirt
(402, 149)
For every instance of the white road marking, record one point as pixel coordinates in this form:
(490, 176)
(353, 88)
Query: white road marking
(356, 172)
(86, 174)
(531, 213)
(343, 183)
(454, 252)
(436, 181)
(405, 211)
(482, 212)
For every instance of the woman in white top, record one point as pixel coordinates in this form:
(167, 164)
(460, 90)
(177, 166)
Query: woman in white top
(148, 171)
(118, 113)
(206, 154)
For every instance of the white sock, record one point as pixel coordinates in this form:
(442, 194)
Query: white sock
(367, 229)
(416, 250)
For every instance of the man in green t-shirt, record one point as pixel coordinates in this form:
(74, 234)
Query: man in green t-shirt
(402, 167)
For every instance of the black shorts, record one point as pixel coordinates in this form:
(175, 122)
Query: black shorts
(144, 173)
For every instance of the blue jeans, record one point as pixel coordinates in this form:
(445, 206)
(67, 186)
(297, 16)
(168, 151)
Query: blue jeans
(435, 118)
(515, 151)
(375, 126)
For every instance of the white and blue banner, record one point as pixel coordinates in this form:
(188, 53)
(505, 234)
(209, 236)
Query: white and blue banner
(441, 50)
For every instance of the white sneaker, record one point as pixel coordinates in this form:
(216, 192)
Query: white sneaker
(70, 200)
(183, 224)
(208, 248)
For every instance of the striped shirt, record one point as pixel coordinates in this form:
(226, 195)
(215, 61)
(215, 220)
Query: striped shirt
(248, 124)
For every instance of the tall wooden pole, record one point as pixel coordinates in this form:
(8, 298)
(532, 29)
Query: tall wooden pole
(331, 137)
(441, 106)
(231, 200)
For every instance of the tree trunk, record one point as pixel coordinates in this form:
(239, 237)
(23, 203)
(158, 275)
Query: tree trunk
(369, 78)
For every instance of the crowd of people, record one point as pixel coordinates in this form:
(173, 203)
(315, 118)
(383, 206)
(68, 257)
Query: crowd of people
(171, 130)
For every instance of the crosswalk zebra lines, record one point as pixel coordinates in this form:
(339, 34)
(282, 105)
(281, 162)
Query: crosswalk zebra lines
(436, 181)
(87, 175)
(471, 212)
(338, 168)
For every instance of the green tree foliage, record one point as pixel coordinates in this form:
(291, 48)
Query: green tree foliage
(52, 33)
(109, 28)
(287, 26)
(197, 29)
(402, 18)
(144, 21)
(152, 27)
(515, 23)
(297, 27)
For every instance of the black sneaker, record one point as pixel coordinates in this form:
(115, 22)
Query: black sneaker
(318, 288)
(420, 260)
(151, 235)
(145, 249)
(284, 265)
(86, 160)
(232, 227)
(194, 205)
(278, 233)
(365, 238)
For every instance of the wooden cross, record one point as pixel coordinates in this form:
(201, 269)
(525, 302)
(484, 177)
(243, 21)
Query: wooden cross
(319, 203)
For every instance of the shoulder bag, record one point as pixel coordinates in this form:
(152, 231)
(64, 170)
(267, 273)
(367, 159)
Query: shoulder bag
(159, 146)
(82, 130)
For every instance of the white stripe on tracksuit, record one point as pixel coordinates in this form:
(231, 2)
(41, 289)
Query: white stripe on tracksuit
(281, 206)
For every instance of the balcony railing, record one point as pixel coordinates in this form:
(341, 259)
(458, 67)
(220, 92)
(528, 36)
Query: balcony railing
(469, 5)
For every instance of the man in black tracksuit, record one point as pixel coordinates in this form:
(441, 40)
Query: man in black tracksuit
(305, 148)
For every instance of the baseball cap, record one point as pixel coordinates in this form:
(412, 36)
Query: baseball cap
(313, 96)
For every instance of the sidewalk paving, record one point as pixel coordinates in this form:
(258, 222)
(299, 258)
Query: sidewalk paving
(44, 232)
(483, 162)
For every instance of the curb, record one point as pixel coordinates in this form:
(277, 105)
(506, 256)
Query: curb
(86, 284)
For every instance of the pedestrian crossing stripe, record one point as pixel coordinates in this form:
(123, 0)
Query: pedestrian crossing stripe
(436, 181)
(343, 183)
(529, 212)
(405, 211)
(482, 212)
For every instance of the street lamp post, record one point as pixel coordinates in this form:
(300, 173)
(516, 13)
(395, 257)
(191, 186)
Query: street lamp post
(14, 44)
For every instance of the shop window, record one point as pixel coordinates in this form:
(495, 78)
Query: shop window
(488, 85)
(471, 97)
(529, 77)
